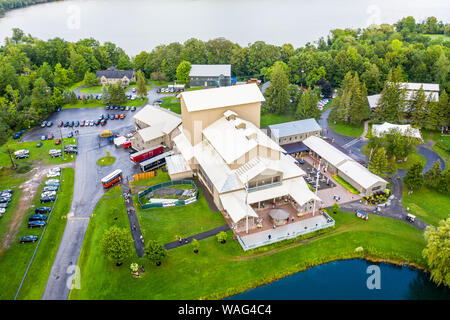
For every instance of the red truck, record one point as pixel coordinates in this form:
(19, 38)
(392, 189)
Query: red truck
(146, 154)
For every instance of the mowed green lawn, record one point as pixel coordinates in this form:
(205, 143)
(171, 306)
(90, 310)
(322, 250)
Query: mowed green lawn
(221, 270)
(172, 103)
(427, 204)
(14, 261)
(39, 154)
(167, 224)
(347, 129)
(441, 143)
(268, 118)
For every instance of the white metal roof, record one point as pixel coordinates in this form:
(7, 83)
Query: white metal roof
(416, 86)
(221, 97)
(294, 127)
(404, 129)
(373, 100)
(326, 150)
(232, 143)
(176, 164)
(184, 146)
(210, 70)
(234, 204)
(156, 116)
(360, 174)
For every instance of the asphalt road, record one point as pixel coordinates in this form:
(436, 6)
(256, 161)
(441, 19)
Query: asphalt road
(87, 187)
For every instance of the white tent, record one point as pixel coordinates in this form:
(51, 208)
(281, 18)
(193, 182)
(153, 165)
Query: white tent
(404, 129)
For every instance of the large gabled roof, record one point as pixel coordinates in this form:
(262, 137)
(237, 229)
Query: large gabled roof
(210, 70)
(294, 127)
(221, 97)
(113, 73)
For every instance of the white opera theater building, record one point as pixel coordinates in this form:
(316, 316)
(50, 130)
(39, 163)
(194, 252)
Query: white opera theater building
(259, 189)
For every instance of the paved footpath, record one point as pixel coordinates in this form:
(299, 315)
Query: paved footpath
(136, 233)
(199, 236)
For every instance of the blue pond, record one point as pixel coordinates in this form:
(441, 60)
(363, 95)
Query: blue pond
(347, 280)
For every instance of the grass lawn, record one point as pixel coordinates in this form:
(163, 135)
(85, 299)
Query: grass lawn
(161, 83)
(99, 104)
(221, 270)
(106, 161)
(268, 118)
(159, 178)
(441, 143)
(14, 261)
(427, 204)
(347, 129)
(345, 184)
(441, 37)
(166, 224)
(172, 103)
(39, 154)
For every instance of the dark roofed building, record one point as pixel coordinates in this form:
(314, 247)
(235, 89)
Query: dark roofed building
(112, 75)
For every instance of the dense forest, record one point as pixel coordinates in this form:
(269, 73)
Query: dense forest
(6, 5)
(35, 75)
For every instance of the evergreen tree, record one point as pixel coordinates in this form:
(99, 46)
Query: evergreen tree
(378, 163)
(141, 86)
(392, 103)
(307, 106)
(433, 176)
(90, 79)
(443, 185)
(414, 178)
(106, 96)
(418, 108)
(277, 94)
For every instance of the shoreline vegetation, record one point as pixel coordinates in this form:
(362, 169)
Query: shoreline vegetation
(9, 5)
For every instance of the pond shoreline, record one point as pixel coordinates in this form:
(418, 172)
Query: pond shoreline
(375, 259)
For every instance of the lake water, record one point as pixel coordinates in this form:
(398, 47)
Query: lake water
(137, 25)
(346, 280)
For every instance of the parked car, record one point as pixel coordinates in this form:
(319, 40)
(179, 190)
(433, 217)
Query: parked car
(50, 136)
(50, 188)
(58, 109)
(28, 239)
(301, 161)
(60, 123)
(21, 154)
(54, 153)
(160, 101)
(82, 123)
(116, 107)
(39, 144)
(16, 136)
(133, 108)
(4, 199)
(48, 194)
(71, 123)
(49, 124)
(116, 116)
(111, 116)
(97, 122)
(66, 124)
(43, 138)
(8, 191)
(103, 122)
(77, 123)
(47, 199)
(58, 142)
(43, 124)
(42, 209)
(37, 217)
(36, 224)
(122, 108)
(127, 108)
(70, 135)
(6, 195)
(122, 116)
(4, 205)
(107, 107)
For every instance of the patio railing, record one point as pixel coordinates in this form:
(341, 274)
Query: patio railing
(246, 247)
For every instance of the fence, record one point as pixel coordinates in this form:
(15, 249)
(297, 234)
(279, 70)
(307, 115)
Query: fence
(142, 176)
(163, 185)
(330, 223)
